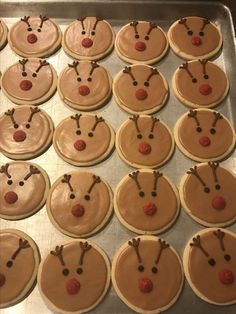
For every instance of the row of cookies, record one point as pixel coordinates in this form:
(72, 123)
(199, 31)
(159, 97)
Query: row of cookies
(74, 277)
(93, 38)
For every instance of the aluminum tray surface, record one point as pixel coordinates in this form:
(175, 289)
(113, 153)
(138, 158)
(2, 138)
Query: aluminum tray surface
(119, 13)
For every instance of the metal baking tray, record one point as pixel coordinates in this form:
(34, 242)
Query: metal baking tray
(113, 169)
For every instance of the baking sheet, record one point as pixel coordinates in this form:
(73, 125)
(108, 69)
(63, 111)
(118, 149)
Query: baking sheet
(119, 13)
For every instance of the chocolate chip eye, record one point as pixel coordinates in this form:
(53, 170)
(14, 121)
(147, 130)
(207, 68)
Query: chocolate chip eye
(89, 79)
(154, 270)
(78, 79)
(217, 187)
(206, 77)
(135, 83)
(211, 262)
(141, 268)
(136, 36)
(190, 33)
(92, 33)
(83, 32)
(78, 132)
(90, 134)
(39, 30)
(9, 264)
(139, 136)
(151, 136)
(72, 196)
(227, 257)
(194, 80)
(34, 75)
(213, 131)
(9, 182)
(146, 37)
(79, 271)
(146, 84)
(65, 272)
(16, 126)
(201, 33)
(87, 197)
(199, 129)
(27, 126)
(206, 190)
(154, 193)
(29, 29)
(24, 73)
(141, 193)
(21, 183)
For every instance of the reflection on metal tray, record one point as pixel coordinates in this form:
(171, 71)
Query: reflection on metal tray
(113, 235)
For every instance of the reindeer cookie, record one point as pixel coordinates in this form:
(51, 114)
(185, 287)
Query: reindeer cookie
(25, 132)
(23, 189)
(83, 140)
(88, 38)
(79, 204)
(35, 36)
(204, 135)
(74, 277)
(194, 37)
(85, 85)
(147, 274)
(3, 34)
(19, 261)
(207, 193)
(200, 83)
(140, 89)
(146, 202)
(144, 141)
(141, 42)
(209, 264)
(29, 81)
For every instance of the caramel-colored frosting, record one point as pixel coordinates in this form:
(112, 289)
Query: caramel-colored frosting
(47, 36)
(96, 146)
(200, 203)
(128, 142)
(99, 86)
(131, 204)
(204, 276)
(125, 90)
(220, 141)
(92, 280)
(102, 37)
(95, 209)
(166, 281)
(41, 84)
(189, 90)
(37, 131)
(30, 194)
(18, 276)
(183, 41)
(155, 44)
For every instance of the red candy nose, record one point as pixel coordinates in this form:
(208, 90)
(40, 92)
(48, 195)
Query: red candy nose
(19, 136)
(141, 94)
(140, 46)
(87, 42)
(77, 210)
(218, 202)
(25, 85)
(72, 286)
(10, 197)
(80, 145)
(205, 89)
(196, 41)
(84, 90)
(2, 279)
(145, 285)
(149, 209)
(226, 276)
(144, 148)
(204, 141)
(32, 38)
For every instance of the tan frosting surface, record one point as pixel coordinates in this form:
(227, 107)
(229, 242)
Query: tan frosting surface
(19, 275)
(29, 195)
(125, 90)
(166, 282)
(99, 86)
(128, 142)
(204, 276)
(46, 38)
(182, 40)
(95, 209)
(92, 280)
(155, 45)
(190, 91)
(220, 141)
(65, 136)
(130, 204)
(102, 39)
(36, 136)
(199, 202)
(41, 84)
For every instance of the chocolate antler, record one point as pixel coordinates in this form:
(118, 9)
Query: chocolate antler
(97, 120)
(23, 244)
(82, 22)
(193, 114)
(154, 121)
(74, 66)
(197, 243)
(33, 170)
(218, 116)
(183, 21)
(135, 118)
(96, 180)
(151, 27)
(205, 22)
(203, 63)
(134, 176)
(96, 22)
(163, 245)
(33, 111)
(127, 70)
(94, 65)
(58, 253)
(153, 72)
(42, 63)
(184, 66)
(66, 180)
(26, 20)
(23, 63)
(157, 175)
(134, 24)
(220, 235)
(195, 173)
(43, 19)
(4, 169)
(135, 244)
(76, 117)
(84, 248)
(214, 166)
(10, 114)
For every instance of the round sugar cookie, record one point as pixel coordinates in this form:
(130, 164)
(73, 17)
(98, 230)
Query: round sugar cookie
(3, 34)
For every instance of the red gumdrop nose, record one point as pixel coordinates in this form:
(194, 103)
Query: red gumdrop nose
(87, 42)
(2, 279)
(72, 286)
(196, 41)
(140, 46)
(77, 210)
(204, 141)
(10, 197)
(205, 89)
(218, 202)
(145, 285)
(84, 90)
(80, 145)
(26, 85)
(141, 94)
(149, 209)
(226, 276)
(32, 38)
(144, 148)
(19, 136)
